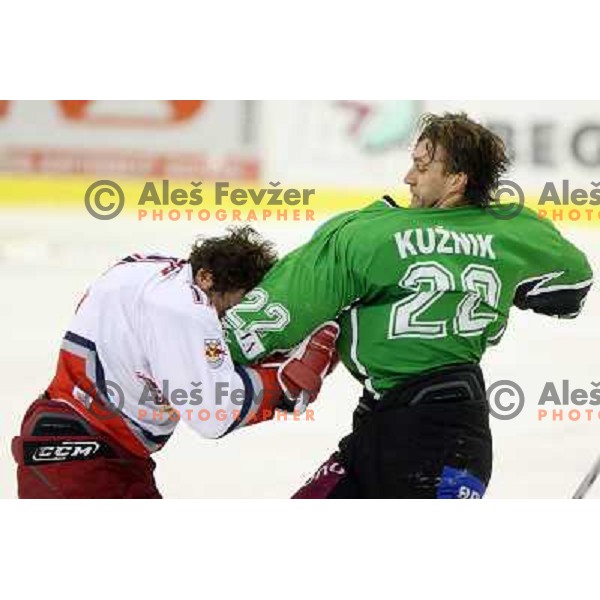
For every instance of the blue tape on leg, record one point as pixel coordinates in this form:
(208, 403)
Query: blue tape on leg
(459, 484)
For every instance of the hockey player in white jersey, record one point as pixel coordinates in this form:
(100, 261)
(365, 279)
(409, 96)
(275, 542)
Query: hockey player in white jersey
(144, 351)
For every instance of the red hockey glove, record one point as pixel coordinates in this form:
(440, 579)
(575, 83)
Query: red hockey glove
(292, 382)
(301, 376)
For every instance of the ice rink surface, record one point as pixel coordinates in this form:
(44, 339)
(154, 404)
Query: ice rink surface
(47, 258)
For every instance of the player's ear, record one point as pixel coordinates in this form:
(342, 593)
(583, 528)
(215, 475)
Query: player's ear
(458, 182)
(204, 280)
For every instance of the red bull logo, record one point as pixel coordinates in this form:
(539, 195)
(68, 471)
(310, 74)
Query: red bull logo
(214, 351)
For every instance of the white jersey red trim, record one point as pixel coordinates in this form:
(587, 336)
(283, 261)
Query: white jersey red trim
(145, 350)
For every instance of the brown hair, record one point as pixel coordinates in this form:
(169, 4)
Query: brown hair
(238, 260)
(470, 148)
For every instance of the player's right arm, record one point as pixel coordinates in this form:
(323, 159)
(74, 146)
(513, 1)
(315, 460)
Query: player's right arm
(306, 288)
(186, 348)
(559, 277)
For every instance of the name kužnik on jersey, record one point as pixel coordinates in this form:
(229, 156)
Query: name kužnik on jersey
(430, 240)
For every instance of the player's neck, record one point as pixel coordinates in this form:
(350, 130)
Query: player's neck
(451, 201)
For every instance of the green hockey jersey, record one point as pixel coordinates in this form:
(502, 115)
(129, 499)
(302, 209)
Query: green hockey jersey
(412, 289)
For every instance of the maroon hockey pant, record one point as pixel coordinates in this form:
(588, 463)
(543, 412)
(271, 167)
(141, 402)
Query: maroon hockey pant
(59, 455)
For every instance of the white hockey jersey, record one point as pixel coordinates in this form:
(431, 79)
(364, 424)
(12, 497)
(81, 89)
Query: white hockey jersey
(145, 350)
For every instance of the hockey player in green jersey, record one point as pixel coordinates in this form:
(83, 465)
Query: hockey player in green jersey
(419, 294)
